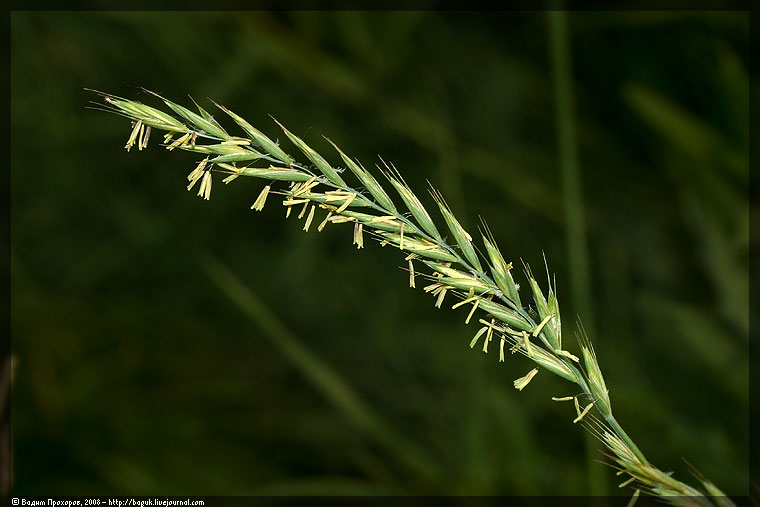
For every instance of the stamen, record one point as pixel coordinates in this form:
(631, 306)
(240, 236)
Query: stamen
(539, 327)
(205, 189)
(196, 173)
(146, 137)
(441, 295)
(478, 335)
(358, 236)
(178, 142)
(626, 483)
(303, 210)
(258, 204)
(293, 202)
(464, 302)
(309, 219)
(234, 175)
(526, 343)
(339, 219)
(472, 311)
(567, 355)
(324, 222)
(585, 411)
(346, 204)
(524, 381)
(140, 137)
(306, 186)
(133, 136)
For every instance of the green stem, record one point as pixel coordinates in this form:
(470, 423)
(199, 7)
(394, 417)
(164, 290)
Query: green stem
(615, 426)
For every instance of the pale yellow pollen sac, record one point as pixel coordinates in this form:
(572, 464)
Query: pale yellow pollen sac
(401, 242)
(411, 273)
(472, 311)
(441, 295)
(178, 142)
(582, 414)
(539, 327)
(144, 140)
(258, 204)
(492, 325)
(196, 173)
(526, 343)
(205, 189)
(168, 137)
(577, 406)
(304, 187)
(477, 336)
(634, 498)
(136, 127)
(501, 349)
(309, 219)
(626, 483)
(233, 175)
(382, 219)
(567, 355)
(347, 203)
(303, 210)
(564, 398)
(358, 235)
(464, 302)
(293, 202)
(324, 222)
(338, 219)
(432, 287)
(488, 338)
(237, 141)
(140, 136)
(524, 381)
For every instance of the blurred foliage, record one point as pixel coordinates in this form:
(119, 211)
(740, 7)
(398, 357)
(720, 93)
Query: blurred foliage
(292, 363)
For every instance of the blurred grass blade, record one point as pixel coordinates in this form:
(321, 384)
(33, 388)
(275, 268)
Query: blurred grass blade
(319, 373)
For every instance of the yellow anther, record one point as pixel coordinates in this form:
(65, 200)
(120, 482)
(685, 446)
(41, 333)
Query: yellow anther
(539, 327)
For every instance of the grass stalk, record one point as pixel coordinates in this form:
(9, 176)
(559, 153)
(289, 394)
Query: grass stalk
(481, 281)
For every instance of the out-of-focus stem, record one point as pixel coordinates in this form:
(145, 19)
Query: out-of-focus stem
(573, 199)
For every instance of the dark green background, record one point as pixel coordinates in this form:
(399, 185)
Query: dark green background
(137, 374)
